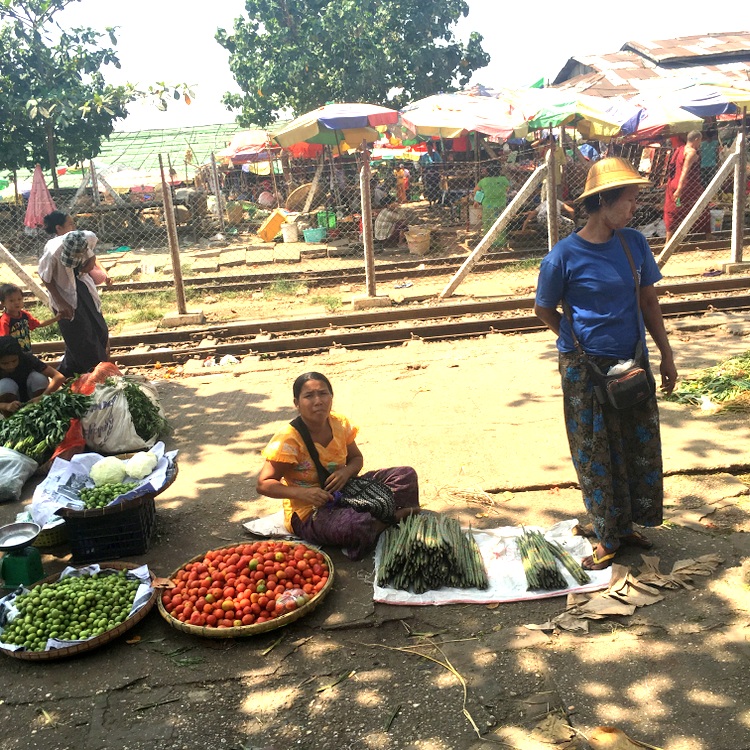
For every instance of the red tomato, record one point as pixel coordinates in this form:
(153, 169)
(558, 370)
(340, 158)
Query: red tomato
(211, 620)
(248, 620)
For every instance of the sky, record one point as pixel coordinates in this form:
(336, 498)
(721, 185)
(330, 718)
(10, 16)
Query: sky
(171, 41)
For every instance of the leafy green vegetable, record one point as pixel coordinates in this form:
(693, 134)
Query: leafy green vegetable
(726, 384)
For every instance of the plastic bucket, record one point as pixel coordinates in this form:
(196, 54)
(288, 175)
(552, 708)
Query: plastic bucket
(475, 216)
(717, 219)
(314, 235)
(289, 232)
(418, 244)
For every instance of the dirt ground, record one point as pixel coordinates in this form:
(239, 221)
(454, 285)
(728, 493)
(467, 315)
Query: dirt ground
(475, 415)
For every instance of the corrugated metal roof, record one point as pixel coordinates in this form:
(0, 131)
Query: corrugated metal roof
(688, 48)
(626, 72)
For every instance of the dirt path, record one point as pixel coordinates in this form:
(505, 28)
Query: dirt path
(481, 414)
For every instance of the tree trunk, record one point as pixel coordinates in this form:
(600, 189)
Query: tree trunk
(52, 155)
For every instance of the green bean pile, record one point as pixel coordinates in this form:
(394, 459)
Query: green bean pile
(540, 559)
(427, 552)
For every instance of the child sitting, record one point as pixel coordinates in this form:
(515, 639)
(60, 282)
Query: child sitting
(23, 377)
(15, 321)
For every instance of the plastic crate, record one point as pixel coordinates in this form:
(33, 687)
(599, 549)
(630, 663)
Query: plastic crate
(314, 235)
(120, 530)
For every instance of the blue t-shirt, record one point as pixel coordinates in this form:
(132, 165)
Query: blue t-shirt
(596, 281)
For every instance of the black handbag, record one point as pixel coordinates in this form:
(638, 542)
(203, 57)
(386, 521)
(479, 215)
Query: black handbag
(360, 493)
(636, 384)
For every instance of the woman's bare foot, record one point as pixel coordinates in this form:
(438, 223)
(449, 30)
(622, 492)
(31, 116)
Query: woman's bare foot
(600, 558)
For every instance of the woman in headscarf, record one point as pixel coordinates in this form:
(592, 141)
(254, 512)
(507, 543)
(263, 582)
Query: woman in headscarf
(64, 268)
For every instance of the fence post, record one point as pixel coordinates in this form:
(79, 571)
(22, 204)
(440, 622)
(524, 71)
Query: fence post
(552, 233)
(367, 233)
(502, 221)
(217, 192)
(740, 195)
(174, 245)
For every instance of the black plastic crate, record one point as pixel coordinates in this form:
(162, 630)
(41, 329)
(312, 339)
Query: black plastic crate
(121, 530)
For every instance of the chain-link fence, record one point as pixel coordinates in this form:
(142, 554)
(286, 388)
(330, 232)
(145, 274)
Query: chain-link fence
(302, 219)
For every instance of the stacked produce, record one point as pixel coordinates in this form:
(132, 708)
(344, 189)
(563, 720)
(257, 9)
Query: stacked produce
(147, 419)
(37, 428)
(73, 609)
(426, 552)
(109, 474)
(540, 558)
(246, 585)
(100, 497)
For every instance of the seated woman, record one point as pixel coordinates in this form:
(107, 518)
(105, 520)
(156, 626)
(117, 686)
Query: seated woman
(289, 473)
(23, 377)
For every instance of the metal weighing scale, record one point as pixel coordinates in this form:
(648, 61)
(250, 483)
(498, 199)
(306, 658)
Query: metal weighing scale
(21, 565)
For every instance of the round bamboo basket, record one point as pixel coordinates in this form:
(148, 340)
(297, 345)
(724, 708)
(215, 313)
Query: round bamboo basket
(247, 630)
(99, 640)
(298, 196)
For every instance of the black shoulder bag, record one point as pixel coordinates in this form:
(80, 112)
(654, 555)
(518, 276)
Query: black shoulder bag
(363, 495)
(634, 386)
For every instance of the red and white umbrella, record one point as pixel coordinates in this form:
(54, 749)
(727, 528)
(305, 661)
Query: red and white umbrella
(40, 201)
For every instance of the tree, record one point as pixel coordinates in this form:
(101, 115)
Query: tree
(299, 54)
(54, 101)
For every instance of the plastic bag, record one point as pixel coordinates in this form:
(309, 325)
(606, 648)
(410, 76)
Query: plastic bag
(108, 426)
(15, 469)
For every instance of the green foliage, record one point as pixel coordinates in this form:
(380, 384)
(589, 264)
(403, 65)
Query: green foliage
(331, 302)
(281, 288)
(54, 102)
(299, 54)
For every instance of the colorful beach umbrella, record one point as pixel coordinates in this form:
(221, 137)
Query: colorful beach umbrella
(455, 115)
(333, 124)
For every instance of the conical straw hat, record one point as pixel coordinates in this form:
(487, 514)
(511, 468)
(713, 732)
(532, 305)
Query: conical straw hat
(611, 173)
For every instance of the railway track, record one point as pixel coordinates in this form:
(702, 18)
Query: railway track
(383, 327)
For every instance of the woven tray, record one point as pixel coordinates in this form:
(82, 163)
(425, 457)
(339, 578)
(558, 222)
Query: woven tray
(99, 640)
(248, 630)
(109, 510)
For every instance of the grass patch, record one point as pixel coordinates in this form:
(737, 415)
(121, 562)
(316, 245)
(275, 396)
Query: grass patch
(282, 288)
(527, 264)
(331, 302)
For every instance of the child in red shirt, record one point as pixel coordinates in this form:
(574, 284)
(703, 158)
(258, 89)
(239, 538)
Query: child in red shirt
(15, 321)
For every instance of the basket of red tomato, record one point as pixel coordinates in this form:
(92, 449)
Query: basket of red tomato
(246, 589)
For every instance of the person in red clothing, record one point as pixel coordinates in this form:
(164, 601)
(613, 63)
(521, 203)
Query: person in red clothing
(15, 321)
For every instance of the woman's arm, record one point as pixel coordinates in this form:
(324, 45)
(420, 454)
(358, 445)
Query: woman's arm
(65, 311)
(354, 463)
(550, 316)
(270, 485)
(654, 321)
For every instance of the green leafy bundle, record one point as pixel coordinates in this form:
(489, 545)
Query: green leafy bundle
(147, 419)
(726, 384)
(37, 428)
(426, 552)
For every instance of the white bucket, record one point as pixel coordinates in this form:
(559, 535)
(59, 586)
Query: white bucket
(419, 244)
(717, 219)
(289, 232)
(475, 216)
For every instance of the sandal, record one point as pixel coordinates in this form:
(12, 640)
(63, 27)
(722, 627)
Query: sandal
(599, 563)
(586, 530)
(636, 539)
